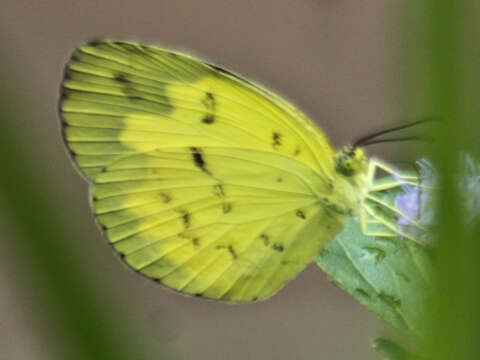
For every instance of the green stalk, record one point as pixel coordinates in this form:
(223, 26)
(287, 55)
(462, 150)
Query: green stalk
(454, 312)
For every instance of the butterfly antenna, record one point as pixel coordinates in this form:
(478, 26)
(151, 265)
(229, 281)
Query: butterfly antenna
(366, 139)
(407, 138)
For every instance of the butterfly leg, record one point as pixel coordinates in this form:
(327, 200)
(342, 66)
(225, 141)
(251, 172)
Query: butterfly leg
(372, 221)
(369, 217)
(398, 179)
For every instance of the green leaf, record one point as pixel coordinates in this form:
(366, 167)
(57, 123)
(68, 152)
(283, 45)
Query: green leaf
(389, 275)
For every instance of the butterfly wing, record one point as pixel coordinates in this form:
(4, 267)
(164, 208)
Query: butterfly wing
(201, 180)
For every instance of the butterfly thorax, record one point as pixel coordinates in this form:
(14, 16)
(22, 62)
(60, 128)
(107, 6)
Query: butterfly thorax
(351, 184)
(350, 161)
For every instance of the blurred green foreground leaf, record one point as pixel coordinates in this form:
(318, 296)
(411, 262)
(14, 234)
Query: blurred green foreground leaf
(83, 324)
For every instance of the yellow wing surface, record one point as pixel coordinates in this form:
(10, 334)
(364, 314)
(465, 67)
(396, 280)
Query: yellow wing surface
(201, 180)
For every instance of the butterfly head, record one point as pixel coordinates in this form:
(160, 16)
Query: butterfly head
(350, 161)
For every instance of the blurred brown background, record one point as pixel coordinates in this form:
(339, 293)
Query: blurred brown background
(334, 59)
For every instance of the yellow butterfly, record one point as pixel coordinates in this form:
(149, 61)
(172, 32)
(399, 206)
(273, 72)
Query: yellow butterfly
(200, 179)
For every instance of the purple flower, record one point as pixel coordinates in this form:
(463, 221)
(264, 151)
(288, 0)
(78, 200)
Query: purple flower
(417, 202)
(408, 204)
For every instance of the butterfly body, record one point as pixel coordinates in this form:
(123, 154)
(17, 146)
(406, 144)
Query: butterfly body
(202, 180)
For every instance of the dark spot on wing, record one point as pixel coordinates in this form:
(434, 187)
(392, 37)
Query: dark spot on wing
(198, 295)
(226, 208)
(297, 151)
(266, 239)
(121, 77)
(94, 198)
(157, 280)
(104, 228)
(209, 101)
(277, 247)
(208, 119)
(231, 250)
(226, 72)
(221, 70)
(198, 159)
(276, 137)
(255, 298)
(279, 179)
(195, 242)
(127, 88)
(300, 214)
(218, 190)
(166, 198)
(134, 97)
(122, 255)
(131, 48)
(185, 218)
(145, 50)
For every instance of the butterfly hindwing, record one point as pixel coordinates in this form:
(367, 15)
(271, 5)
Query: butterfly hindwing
(211, 221)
